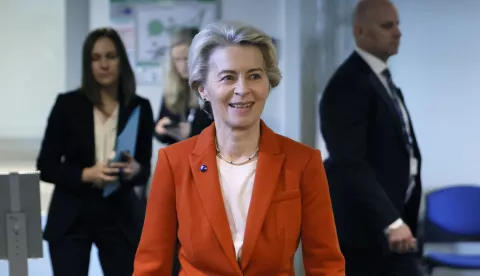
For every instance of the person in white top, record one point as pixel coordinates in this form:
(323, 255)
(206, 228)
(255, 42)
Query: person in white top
(238, 197)
(374, 163)
(78, 145)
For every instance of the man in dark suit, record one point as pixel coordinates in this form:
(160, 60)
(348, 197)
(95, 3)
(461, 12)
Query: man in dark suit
(374, 160)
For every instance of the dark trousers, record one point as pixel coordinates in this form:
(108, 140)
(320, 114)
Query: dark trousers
(176, 266)
(176, 261)
(70, 255)
(370, 263)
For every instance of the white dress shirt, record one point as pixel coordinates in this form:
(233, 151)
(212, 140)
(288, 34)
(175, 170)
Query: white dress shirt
(378, 66)
(236, 183)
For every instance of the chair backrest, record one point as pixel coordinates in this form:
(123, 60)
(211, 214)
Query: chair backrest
(453, 214)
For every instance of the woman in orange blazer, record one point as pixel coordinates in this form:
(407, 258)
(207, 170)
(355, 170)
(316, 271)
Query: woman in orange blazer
(238, 197)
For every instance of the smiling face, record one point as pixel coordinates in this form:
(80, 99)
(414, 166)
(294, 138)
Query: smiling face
(237, 86)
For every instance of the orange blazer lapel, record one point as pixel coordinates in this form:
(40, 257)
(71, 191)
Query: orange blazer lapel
(269, 168)
(208, 187)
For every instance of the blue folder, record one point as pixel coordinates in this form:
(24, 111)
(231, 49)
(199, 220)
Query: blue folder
(126, 141)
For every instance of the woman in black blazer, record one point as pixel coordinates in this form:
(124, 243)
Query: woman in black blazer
(75, 156)
(180, 116)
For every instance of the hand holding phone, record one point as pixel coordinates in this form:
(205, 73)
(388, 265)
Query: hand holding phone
(127, 166)
(160, 127)
(172, 125)
(99, 174)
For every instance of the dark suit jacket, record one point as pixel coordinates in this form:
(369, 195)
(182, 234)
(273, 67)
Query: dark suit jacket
(290, 201)
(200, 121)
(69, 146)
(368, 167)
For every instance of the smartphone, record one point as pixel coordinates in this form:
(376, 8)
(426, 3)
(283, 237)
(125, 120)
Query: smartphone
(172, 125)
(123, 159)
(124, 156)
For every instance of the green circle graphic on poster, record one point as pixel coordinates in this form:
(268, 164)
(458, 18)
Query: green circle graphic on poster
(155, 27)
(154, 24)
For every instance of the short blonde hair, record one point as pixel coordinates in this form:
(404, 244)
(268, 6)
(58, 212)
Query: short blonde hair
(176, 92)
(225, 33)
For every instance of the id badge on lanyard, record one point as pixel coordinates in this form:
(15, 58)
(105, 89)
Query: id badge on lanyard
(191, 115)
(413, 166)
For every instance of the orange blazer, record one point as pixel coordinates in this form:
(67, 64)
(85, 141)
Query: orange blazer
(290, 201)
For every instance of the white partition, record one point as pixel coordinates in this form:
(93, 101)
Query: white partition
(20, 220)
(32, 67)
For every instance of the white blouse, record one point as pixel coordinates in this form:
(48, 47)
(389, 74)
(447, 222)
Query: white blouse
(236, 183)
(105, 135)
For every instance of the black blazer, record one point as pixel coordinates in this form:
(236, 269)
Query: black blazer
(200, 121)
(68, 147)
(368, 166)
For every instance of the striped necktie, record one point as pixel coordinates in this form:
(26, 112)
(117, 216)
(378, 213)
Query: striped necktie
(405, 128)
(398, 108)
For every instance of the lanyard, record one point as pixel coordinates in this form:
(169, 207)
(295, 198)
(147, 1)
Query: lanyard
(191, 115)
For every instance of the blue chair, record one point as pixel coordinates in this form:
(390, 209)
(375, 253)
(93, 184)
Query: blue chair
(452, 215)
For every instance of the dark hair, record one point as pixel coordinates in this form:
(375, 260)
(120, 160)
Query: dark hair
(126, 82)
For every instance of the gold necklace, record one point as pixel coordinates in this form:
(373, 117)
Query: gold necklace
(230, 161)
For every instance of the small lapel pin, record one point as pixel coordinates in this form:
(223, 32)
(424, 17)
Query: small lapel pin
(203, 168)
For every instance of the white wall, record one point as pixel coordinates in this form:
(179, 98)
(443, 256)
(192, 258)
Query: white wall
(32, 69)
(438, 69)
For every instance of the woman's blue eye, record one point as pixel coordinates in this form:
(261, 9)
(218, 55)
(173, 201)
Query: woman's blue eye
(227, 78)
